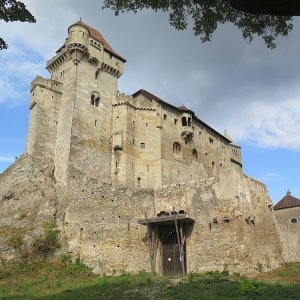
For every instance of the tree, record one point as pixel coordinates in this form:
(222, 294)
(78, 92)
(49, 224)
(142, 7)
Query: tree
(208, 14)
(13, 10)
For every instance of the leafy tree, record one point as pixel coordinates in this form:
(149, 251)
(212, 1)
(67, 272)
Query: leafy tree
(208, 14)
(12, 10)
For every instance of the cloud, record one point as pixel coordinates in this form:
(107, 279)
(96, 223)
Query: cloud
(271, 176)
(7, 159)
(270, 126)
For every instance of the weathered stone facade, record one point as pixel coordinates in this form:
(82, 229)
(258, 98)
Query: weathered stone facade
(103, 164)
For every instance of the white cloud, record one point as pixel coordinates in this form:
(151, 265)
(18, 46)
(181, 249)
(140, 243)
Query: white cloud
(274, 125)
(7, 159)
(271, 176)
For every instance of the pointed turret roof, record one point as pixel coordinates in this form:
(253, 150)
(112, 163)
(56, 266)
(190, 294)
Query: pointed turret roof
(287, 201)
(99, 37)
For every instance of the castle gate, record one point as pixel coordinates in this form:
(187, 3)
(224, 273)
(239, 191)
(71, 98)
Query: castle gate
(166, 235)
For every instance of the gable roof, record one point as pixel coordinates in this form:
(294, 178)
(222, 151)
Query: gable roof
(179, 109)
(99, 37)
(287, 201)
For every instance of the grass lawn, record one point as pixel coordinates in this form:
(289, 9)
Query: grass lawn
(41, 280)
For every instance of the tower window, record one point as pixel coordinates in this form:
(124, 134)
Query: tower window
(176, 147)
(195, 154)
(211, 141)
(95, 99)
(175, 121)
(142, 145)
(183, 121)
(165, 117)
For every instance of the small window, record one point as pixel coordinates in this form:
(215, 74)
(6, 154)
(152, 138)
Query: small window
(165, 117)
(294, 221)
(175, 121)
(189, 122)
(95, 99)
(211, 141)
(183, 121)
(142, 145)
(146, 124)
(176, 147)
(110, 56)
(195, 154)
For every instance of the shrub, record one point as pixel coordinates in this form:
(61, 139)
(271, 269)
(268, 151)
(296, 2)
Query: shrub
(49, 242)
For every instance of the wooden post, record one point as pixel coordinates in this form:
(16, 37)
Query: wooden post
(179, 242)
(149, 244)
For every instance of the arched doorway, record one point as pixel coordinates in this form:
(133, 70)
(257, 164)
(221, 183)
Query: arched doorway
(171, 261)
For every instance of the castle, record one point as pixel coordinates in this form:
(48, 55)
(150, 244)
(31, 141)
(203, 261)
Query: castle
(133, 182)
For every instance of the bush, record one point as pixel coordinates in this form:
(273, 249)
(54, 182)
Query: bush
(49, 242)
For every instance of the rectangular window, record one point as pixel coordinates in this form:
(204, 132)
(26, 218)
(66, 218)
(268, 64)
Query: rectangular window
(165, 117)
(142, 145)
(211, 141)
(175, 121)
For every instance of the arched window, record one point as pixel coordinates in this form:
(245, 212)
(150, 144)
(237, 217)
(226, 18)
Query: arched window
(183, 120)
(176, 147)
(294, 221)
(95, 99)
(195, 154)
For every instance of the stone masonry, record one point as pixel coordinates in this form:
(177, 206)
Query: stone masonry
(133, 182)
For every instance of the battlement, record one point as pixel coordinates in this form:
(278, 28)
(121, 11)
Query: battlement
(49, 84)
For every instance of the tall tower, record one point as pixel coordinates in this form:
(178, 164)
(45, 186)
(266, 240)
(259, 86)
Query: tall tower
(84, 79)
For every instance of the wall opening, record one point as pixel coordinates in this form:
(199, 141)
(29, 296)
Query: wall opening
(176, 147)
(183, 121)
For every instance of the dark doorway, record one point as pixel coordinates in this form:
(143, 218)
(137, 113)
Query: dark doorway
(172, 264)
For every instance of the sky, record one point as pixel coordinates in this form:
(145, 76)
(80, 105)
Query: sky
(244, 88)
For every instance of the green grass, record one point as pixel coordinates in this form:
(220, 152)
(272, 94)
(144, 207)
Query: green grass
(66, 280)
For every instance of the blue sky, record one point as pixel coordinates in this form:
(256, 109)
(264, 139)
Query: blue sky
(246, 89)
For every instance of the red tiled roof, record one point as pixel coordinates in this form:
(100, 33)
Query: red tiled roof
(99, 37)
(287, 201)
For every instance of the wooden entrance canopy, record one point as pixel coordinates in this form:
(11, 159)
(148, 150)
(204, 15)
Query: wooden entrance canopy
(178, 220)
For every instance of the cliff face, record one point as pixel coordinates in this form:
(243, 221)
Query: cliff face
(27, 197)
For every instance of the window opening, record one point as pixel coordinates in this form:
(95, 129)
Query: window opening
(195, 154)
(189, 121)
(294, 221)
(142, 146)
(175, 121)
(176, 147)
(165, 117)
(211, 141)
(183, 121)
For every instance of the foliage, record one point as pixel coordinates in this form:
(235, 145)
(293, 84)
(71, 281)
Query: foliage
(49, 242)
(208, 14)
(11, 11)
(15, 242)
(71, 279)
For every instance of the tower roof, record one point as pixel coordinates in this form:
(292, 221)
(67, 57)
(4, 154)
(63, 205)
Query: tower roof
(99, 37)
(287, 201)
